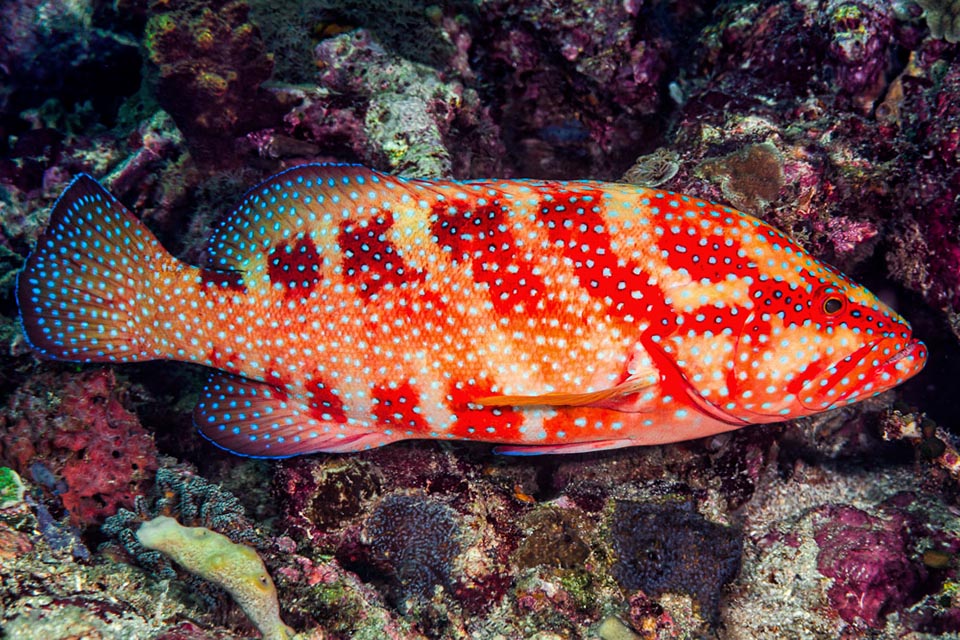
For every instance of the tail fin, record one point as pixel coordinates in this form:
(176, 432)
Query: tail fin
(80, 292)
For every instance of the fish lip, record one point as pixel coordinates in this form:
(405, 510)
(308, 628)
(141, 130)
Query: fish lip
(914, 349)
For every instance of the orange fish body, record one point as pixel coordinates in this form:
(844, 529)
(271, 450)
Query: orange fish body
(345, 309)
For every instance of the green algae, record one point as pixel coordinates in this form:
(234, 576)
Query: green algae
(11, 488)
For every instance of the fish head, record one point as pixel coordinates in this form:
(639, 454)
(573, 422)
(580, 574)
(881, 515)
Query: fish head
(785, 336)
(818, 343)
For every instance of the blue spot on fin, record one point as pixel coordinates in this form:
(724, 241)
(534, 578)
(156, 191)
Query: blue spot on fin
(270, 211)
(259, 420)
(77, 291)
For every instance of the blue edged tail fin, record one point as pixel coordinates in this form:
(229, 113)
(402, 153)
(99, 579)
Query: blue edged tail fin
(84, 290)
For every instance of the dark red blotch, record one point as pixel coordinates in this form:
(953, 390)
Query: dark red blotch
(479, 233)
(599, 269)
(370, 259)
(324, 401)
(711, 262)
(504, 420)
(296, 266)
(395, 407)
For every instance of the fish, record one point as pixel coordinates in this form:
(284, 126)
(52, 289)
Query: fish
(341, 309)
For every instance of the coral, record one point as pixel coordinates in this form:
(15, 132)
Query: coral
(409, 28)
(670, 547)
(234, 567)
(860, 37)
(554, 537)
(932, 442)
(654, 169)
(190, 499)
(211, 62)
(869, 561)
(77, 427)
(943, 18)
(408, 108)
(857, 106)
(648, 618)
(323, 495)
(347, 606)
(415, 540)
(59, 55)
(576, 79)
(749, 178)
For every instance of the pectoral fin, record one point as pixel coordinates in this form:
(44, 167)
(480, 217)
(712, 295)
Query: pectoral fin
(633, 384)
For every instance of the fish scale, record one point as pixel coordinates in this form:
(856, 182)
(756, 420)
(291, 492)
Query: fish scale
(342, 308)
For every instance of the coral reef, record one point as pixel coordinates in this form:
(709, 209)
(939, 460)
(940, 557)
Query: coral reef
(943, 18)
(60, 70)
(189, 498)
(574, 80)
(933, 443)
(211, 62)
(408, 109)
(553, 537)
(11, 488)
(326, 495)
(86, 447)
(869, 563)
(415, 539)
(834, 120)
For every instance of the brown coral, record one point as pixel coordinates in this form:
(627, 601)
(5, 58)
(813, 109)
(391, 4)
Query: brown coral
(211, 63)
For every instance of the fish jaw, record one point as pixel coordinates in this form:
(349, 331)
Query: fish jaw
(869, 371)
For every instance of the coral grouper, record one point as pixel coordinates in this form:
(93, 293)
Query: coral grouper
(344, 309)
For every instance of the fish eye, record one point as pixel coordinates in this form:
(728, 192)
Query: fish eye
(833, 305)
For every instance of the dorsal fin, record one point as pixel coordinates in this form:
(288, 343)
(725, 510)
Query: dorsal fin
(289, 205)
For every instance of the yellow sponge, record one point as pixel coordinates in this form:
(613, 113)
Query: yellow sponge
(235, 567)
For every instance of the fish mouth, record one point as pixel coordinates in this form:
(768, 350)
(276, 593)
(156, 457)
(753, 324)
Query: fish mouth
(865, 373)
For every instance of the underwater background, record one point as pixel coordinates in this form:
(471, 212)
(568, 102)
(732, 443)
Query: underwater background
(836, 121)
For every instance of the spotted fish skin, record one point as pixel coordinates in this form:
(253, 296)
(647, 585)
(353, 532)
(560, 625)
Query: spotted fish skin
(343, 309)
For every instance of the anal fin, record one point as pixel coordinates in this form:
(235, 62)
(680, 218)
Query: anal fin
(259, 420)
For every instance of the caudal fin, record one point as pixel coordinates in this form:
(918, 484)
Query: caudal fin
(81, 291)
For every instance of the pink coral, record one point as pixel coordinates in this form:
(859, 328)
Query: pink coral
(869, 561)
(74, 434)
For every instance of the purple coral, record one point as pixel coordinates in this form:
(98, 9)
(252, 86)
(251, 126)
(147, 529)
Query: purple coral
(869, 561)
(574, 81)
(860, 36)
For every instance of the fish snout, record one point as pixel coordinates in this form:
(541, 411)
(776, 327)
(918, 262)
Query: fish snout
(867, 372)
